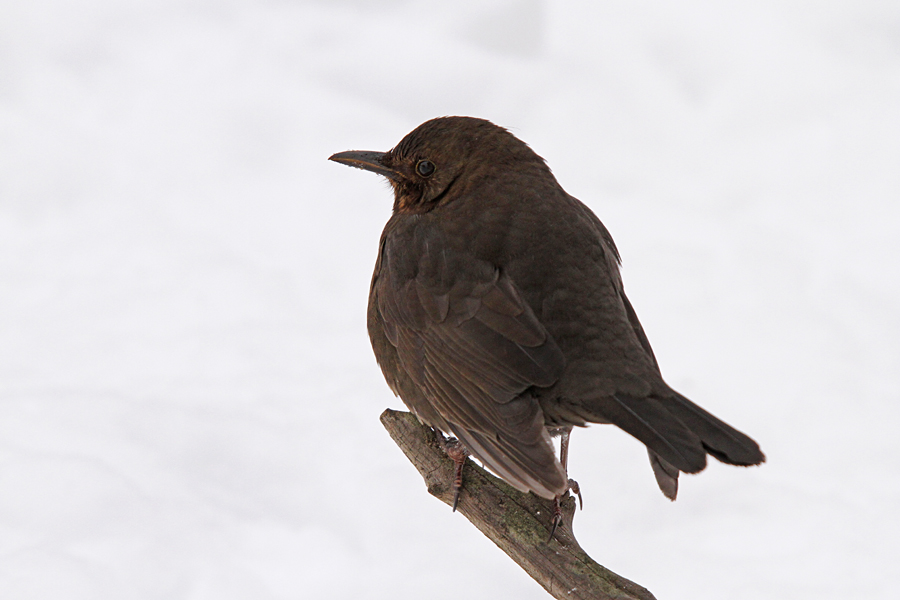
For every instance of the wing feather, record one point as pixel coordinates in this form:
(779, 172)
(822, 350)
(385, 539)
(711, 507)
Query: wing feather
(474, 348)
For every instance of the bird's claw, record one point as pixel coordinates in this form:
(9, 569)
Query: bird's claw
(557, 507)
(557, 519)
(573, 485)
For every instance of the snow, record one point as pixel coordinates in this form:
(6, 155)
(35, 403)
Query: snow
(188, 401)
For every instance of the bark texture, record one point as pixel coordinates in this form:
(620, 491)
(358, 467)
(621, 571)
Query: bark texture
(518, 523)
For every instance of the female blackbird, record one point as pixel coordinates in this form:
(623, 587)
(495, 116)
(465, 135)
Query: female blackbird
(497, 313)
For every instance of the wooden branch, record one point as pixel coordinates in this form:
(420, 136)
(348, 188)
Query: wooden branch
(518, 523)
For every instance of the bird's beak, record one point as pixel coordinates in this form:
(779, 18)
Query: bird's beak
(361, 159)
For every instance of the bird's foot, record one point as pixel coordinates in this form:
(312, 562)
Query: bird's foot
(557, 508)
(573, 485)
(456, 452)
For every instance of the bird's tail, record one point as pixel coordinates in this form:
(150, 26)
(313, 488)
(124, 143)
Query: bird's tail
(678, 435)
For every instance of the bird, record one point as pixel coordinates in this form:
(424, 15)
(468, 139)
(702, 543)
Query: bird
(498, 315)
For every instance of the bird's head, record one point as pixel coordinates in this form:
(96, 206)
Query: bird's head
(437, 161)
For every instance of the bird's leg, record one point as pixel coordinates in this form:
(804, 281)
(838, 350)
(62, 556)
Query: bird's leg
(564, 433)
(564, 460)
(456, 452)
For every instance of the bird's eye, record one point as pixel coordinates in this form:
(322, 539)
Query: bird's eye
(425, 168)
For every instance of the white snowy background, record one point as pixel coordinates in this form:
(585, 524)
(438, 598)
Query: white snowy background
(188, 401)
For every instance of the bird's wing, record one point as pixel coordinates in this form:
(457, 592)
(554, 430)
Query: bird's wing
(473, 346)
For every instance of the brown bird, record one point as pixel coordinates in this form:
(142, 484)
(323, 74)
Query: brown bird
(497, 313)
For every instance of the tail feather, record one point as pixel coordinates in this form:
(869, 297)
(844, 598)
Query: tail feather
(649, 421)
(678, 435)
(720, 439)
(666, 475)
